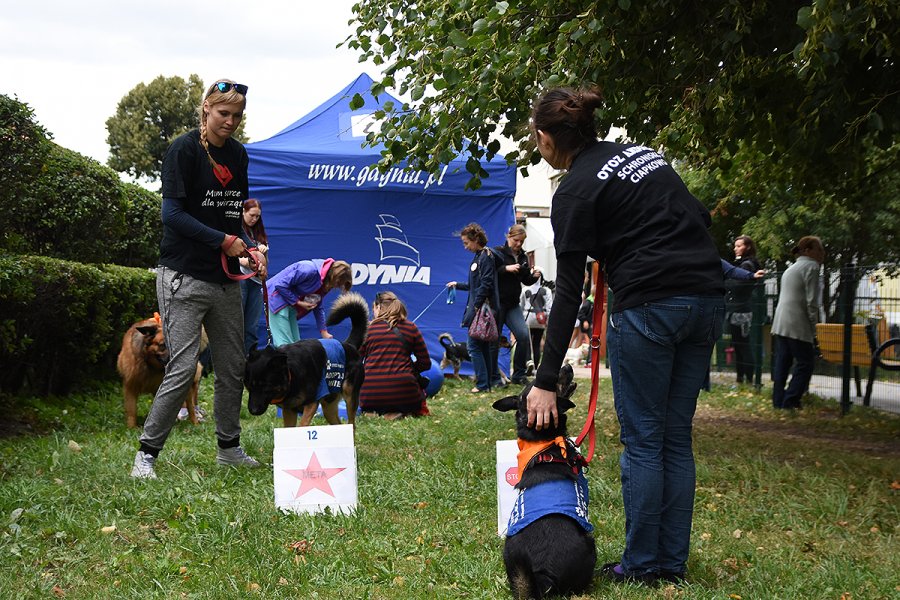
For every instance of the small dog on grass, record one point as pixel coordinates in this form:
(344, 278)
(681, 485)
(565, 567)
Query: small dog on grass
(549, 548)
(299, 376)
(455, 353)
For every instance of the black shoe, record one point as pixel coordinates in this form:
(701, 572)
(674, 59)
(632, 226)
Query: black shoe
(520, 381)
(613, 571)
(670, 577)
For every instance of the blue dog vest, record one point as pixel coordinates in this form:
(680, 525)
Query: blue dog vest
(559, 496)
(335, 368)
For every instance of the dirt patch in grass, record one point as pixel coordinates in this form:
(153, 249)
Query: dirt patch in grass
(874, 444)
(15, 421)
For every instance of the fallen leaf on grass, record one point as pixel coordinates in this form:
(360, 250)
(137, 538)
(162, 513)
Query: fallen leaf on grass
(705, 536)
(895, 485)
(283, 581)
(846, 596)
(108, 529)
(253, 587)
(874, 529)
(399, 581)
(182, 570)
(843, 523)
(736, 534)
(300, 547)
(59, 592)
(420, 505)
(734, 597)
(73, 446)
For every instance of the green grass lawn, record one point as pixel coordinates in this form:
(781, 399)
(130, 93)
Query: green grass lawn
(788, 506)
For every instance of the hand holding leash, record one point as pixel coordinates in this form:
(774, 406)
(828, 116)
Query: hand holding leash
(233, 246)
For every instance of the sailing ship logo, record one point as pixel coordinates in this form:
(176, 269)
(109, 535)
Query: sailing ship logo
(392, 242)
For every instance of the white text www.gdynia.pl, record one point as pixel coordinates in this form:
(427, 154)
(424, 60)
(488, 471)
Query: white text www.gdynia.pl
(369, 175)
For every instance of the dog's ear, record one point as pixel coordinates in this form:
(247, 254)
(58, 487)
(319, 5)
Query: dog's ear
(506, 404)
(278, 361)
(147, 330)
(567, 391)
(564, 404)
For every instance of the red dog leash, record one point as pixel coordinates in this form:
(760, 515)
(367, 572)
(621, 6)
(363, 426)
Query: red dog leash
(250, 250)
(255, 266)
(597, 343)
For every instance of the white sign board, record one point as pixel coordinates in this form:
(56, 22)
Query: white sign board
(507, 478)
(315, 468)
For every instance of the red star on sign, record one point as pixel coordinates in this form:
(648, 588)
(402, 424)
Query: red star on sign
(314, 477)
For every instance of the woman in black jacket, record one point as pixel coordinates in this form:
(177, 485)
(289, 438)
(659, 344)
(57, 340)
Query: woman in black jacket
(512, 271)
(482, 287)
(740, 310)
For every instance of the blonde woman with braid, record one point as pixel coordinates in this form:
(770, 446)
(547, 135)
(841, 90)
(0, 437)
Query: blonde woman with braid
(204, 185)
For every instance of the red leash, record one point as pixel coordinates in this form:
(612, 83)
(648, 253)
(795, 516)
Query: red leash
(250, 250)
(597, 343)
(255, 266)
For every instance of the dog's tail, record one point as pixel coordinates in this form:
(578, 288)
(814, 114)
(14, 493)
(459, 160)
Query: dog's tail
(446, 340)
(354, 306)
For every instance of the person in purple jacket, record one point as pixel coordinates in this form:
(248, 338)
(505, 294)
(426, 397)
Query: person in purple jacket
(299, 289)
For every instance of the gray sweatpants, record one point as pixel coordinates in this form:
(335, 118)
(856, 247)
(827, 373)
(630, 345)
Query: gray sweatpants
(185, 303)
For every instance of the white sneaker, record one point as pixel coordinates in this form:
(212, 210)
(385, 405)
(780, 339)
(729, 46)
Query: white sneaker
(235, 457)
(529, 368)
(182, 414)
(143, 466)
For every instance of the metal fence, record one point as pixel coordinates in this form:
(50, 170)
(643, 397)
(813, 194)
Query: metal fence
(861, 316)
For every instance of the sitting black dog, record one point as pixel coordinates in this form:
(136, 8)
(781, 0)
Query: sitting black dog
(299, 376)
(549, 549)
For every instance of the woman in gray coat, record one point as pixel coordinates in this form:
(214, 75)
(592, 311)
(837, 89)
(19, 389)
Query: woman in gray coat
(794, 325)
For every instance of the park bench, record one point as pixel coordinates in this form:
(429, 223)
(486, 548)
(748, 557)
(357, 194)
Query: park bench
(865, 351)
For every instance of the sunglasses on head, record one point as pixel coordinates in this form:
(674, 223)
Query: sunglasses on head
(224, 87)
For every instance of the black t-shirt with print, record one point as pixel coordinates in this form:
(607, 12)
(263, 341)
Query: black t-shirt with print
(624, 205)
(214, 199)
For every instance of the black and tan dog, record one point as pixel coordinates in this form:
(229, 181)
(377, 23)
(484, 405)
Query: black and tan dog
(455, 353)
(300, 376)
(549, 548)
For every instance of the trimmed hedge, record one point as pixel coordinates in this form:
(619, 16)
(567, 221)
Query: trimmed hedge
(61, 322)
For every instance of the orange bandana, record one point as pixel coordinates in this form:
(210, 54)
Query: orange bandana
(528, 450)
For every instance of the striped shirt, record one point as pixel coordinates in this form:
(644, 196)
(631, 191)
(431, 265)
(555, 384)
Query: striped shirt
(390, 384)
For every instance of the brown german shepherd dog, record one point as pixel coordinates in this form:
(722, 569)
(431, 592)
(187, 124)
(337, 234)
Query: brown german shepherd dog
(142, 363)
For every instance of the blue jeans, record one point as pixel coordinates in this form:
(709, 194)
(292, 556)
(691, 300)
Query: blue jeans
(515, 322)
(659, 354)
(484, 361)
(252, 301)
(788, 350)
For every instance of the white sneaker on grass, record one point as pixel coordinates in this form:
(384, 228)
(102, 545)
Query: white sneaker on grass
(143, 466)
(235, 457)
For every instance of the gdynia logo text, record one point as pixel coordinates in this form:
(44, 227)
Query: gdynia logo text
(369, 274)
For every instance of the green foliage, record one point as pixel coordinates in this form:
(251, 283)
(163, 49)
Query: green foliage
(80, 210)
(786, 507)
(148, 118)
(806, 91)
(68, 206)
(60, 321)
(25, 146)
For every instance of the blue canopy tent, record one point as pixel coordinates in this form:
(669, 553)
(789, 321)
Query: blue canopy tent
(322, 196)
